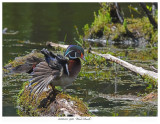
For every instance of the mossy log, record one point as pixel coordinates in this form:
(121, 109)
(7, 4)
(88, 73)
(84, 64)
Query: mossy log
(153, 76)
(50, 104)
(24, 64)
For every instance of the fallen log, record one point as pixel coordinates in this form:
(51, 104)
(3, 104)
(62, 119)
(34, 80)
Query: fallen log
(129, 66)
(139, 70)
(49, 103)
(56, 45)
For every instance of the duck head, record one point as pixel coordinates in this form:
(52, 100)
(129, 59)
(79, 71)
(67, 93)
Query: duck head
(74, 51)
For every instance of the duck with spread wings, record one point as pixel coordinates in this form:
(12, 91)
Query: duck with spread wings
(56, 70)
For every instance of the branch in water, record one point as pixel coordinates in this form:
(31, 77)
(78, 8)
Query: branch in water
(139, 70)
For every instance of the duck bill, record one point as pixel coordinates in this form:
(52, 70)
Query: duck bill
(82, 57)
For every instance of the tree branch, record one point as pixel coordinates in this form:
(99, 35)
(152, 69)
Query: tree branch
(133, 68)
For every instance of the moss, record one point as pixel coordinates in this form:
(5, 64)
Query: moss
(92, 59)
(23, 63)
(151, 82)
(22, 60)
(140, 27)
(100, 20)
(49, 104)
(144, 54)
(98, 73)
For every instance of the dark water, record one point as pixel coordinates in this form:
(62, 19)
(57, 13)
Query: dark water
(41, 22)
(38, 23)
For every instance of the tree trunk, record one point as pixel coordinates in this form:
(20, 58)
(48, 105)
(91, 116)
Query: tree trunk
(149, 14)
(121, 19)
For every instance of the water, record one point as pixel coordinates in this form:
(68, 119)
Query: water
(41, 22)
(38, 23)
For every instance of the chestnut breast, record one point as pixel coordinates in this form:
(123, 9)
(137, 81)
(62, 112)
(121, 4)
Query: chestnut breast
(74, 67)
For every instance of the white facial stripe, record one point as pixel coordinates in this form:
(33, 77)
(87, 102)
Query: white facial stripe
(75, 54)
(67, 69)
(69, 52)
(72, 57)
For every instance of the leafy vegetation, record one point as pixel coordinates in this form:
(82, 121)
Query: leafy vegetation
(102, 26)
(102, 76)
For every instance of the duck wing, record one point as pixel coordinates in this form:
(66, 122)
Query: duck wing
(47, 71)
(43, 75)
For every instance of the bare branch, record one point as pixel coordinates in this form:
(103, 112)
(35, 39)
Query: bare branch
(138, 70)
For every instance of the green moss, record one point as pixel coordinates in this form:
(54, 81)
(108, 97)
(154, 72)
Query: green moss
(140, 27)
(151, 82)
(47, 104)
(95, 73)
(100, 20)
(92, 59)
(22, 60)
(144, 54)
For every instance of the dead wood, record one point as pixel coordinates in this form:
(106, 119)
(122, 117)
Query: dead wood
(139, 70)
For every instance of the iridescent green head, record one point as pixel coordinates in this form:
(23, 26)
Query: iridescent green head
(74, 51)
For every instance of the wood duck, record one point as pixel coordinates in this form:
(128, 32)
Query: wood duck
(57, 70)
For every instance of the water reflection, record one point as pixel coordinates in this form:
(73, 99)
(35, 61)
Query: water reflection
(41, 22)
(38, 23)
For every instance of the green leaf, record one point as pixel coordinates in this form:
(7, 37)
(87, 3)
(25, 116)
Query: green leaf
(78, 42)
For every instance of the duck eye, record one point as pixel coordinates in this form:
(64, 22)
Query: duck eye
(72, 54)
